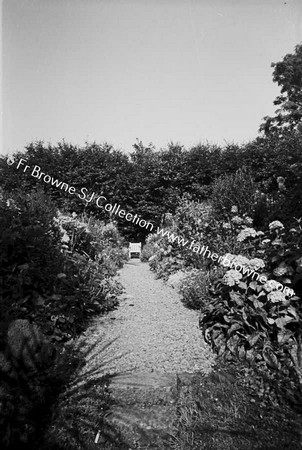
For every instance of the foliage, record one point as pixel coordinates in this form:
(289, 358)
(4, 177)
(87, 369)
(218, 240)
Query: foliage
(148, 183)
(57, 272)
(189, 223)
(167, 260)
(30, 254)
(219, 412)
(270, 160)
(150, 247)
(255, 321)
(79, 413)
(235, 189)
(94, 252)
(288, 75)
(26, 397)
(194, 289)
(190, 230)
(151, 183)
(175, 280)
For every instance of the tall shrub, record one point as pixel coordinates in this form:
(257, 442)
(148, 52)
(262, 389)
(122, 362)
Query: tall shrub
(235, 189)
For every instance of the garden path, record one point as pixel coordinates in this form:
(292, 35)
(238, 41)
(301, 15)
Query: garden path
(155, 346)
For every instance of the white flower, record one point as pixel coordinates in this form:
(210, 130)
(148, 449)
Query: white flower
(234, 209)
(277, 242)
(240, 260)
(266, 241)
(299, 262)
(276, 297)
(229, 257)
(226, 226)
(237, 220)
(65, 238)
(257, 263)
(248, 220)
(275, 224)
(271, 285)
(279, 271)
(245, 233)
(231, 277)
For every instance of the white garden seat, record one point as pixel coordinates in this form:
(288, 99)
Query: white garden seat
(135, 247)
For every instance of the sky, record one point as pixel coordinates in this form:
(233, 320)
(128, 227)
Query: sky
(186, 71)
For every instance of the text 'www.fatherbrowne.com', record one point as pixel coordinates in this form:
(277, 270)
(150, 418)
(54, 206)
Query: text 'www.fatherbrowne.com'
(225, 260)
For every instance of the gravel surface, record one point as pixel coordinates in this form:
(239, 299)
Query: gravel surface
(150, 331)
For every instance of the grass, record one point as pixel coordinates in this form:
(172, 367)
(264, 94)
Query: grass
(59, 407)
(221, 414)
(216, 412)
(80, 411)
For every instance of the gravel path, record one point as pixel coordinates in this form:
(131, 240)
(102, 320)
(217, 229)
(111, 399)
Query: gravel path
(153, 348)
(151, 330)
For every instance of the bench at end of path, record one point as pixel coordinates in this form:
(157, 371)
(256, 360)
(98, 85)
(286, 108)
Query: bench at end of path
(135, 247)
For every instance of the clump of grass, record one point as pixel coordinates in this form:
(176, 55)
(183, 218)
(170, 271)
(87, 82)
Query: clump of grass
(79, 414)
(221, 414)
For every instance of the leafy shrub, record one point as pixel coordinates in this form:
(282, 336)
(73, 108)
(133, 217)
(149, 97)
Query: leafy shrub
(167, 262)
(194, 287)
(57, 272)
(150, 248)
(31, 256)
(95, 252)
(27, 396)
(176, 279)
(192, 227)
(91, 237)
(257, 322)
(235, 189)
(173, 254)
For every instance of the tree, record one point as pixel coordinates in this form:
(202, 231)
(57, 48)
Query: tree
(287, 74)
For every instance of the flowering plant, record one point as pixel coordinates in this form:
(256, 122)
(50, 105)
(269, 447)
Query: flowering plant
(260, 322)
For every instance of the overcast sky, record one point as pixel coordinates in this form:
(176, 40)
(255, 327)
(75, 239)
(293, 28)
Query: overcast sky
(158, 70)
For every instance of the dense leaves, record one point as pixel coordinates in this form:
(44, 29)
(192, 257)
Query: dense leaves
(151, 183)
(56, 272)
(255, 321)
(288, 75)
(50, 266)
(251, 310)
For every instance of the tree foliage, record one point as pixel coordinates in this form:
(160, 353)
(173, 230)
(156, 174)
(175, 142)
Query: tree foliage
(288, 75)
(151, 183)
